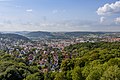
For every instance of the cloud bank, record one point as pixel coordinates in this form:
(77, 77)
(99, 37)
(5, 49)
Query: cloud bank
(108, 9)
(117, 20)
(29, 10)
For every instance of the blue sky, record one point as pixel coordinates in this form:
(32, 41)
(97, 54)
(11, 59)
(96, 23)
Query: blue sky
(59, 15)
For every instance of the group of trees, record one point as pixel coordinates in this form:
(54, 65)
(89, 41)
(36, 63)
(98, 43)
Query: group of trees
(12, 68)
(93, 61)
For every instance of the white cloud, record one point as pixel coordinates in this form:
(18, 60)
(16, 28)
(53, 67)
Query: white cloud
(29, 10)
(117, 20)
(107, 9)
(102, 19)
(69, 25)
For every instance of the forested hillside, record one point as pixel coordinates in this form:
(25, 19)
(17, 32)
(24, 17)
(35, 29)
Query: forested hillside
(94, 61)
(89, 61)
(10, 36)
(69, 35)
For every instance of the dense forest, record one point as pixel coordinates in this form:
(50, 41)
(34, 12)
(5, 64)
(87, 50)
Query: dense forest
(89, 61)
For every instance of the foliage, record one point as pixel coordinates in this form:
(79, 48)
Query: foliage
(88, 61)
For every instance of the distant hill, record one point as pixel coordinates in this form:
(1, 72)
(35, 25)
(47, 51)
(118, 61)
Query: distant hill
(21, 32)
(46, 35)
(58, 35)
(15, 32)
(80, 34)
(39, 34)
(13, 36)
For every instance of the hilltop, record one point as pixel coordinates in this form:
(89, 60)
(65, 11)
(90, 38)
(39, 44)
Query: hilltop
(65, 35)
(12, 36)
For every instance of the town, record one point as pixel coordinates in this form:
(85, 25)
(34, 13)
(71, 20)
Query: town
(49, 53)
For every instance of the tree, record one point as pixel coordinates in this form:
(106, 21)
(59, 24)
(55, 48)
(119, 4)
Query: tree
(112, 73)
(76, 74)
(60, 76)
(35, 76)
(95, 74)
(11, 74)
(69, 75)
(67, 64)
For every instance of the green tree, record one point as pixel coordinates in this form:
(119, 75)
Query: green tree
(60, 76)
(95, 74)
(112, 73)
(76, 74)
(35, 76)
(69, 75)
(67, 64)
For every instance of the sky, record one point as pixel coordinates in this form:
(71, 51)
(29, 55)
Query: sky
(60, 15)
